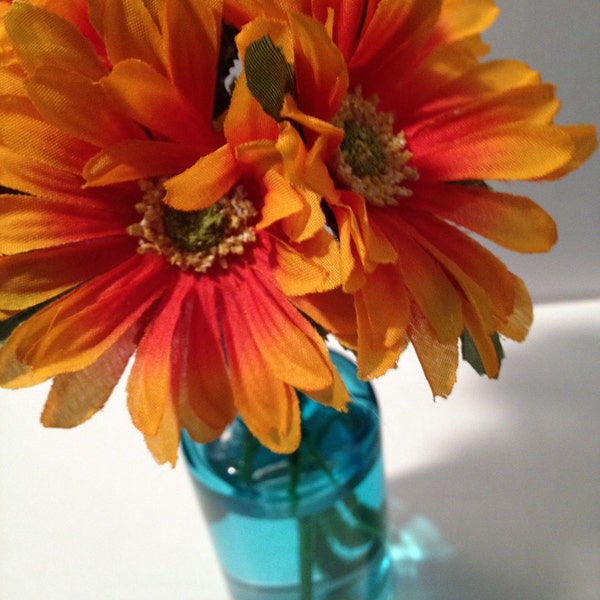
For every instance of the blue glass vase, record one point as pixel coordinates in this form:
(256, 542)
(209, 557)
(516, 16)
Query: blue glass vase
(305, 526)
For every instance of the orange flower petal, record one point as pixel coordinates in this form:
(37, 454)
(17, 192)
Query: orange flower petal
(514, 222)
(277, 328)
(462, 18)
(42, 38)
(33, 277)
(391, 42)
(34, 224)
(509, 151)
(128, 31)
(439, 360)
(319, 68)
(517, 324)
(195, 26)
(426, 281)
(75, 397)
(481, 336)
(26, 174)
(204, 378)
(585, 140)
(78, 106)
(383, 310)
(205, 182)
(74, 331)
(150, 99)
(150, 383)
(164, 444)
(131, 160)
(268, 406)
(246, 122)
(23, 132)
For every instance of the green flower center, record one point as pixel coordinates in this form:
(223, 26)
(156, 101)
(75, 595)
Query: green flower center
(194, 240)
(196, 230)
(361, 149)
(372, 160)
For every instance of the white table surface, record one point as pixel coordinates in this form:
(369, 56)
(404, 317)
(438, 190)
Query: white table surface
(494, 493)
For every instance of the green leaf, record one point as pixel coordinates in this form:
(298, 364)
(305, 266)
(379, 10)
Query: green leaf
(471, 355)
(269, 75)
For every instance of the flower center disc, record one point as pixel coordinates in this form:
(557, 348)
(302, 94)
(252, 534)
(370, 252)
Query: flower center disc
(194, 240)
(372, 160)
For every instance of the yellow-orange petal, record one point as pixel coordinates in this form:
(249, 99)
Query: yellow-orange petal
(201, 185)
(204, 385)
(246, 122)
(439, 360)
(459, 19)
(41, 37)
(481, 336)
(164, 444)
(268, 406)
(128, 31)
(191, 33)
(79, 107)
(75, 397)
(26, 134)
(383, 311)
(131, 160)
(26, 174)
(428, 284)
(516, 325)
(150, 99)
(585, 141)
(321, 74)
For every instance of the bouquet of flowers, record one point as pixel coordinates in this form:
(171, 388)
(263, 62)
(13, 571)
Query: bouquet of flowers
(214, 186)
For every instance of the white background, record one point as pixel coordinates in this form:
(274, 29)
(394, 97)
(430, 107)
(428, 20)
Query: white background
(499, 486)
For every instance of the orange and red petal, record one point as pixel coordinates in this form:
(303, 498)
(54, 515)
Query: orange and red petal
(427, 282)
(391, 42)
(29, 278)
(506, 151)
(31, 224)
(74, 331)
(514, 222)
(150, 383)
(204, 384)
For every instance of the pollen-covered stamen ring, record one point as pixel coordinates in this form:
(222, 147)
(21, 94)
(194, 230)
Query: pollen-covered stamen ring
(372, 160)
(194, 240)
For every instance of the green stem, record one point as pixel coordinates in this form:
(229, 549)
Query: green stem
(306, 533)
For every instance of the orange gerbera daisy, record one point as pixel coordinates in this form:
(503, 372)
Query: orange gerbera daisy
(95, 125)
(424, 122)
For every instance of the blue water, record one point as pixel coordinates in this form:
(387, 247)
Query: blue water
(317, 516)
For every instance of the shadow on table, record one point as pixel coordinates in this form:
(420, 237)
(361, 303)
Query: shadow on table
(517, 517)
